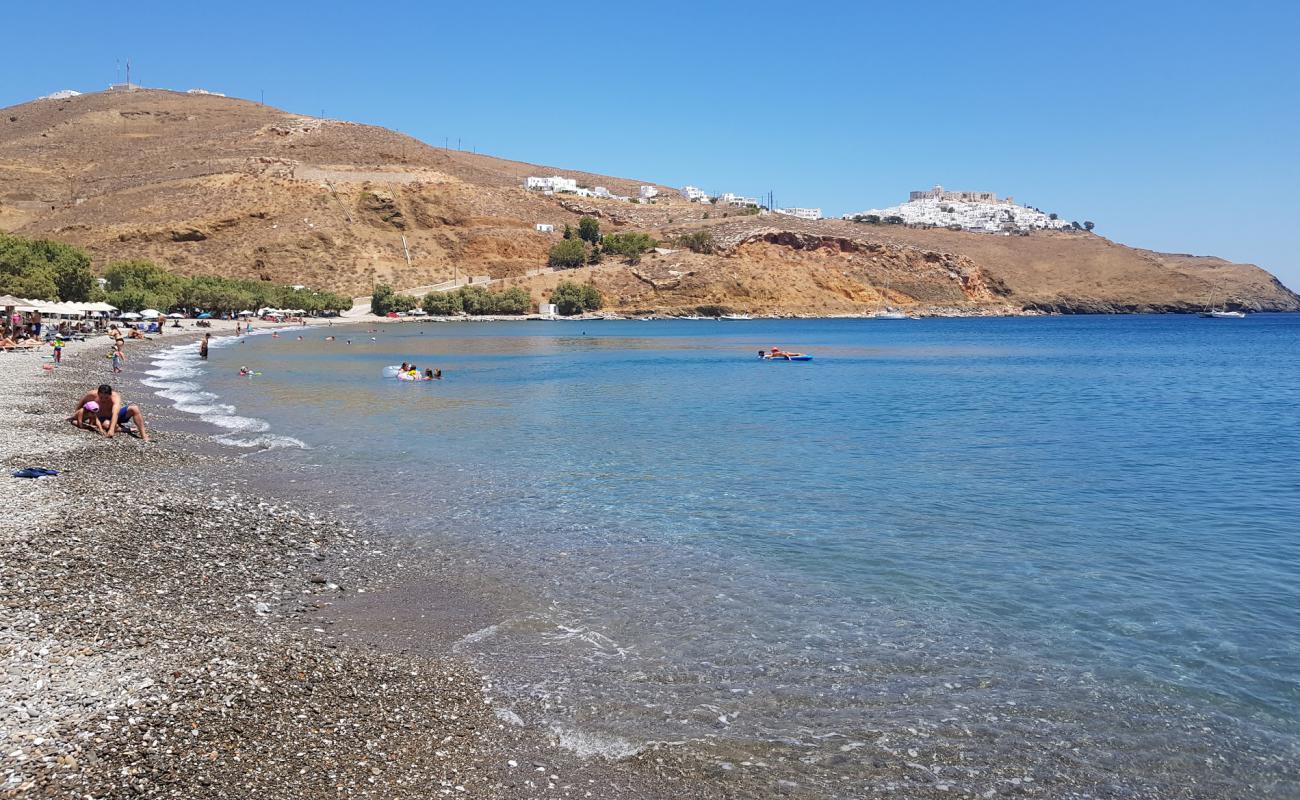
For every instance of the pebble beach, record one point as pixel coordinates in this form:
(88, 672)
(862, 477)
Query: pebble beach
(168, 633)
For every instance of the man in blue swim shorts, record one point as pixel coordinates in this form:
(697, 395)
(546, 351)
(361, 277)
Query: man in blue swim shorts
(106, 405)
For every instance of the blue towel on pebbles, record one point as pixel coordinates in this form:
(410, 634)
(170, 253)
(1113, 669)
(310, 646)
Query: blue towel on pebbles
(35, 472)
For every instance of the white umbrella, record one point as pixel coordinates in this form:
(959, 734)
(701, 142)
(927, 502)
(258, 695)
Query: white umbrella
(149, 313)
(130, 315)
(176, 315)
(246, 313)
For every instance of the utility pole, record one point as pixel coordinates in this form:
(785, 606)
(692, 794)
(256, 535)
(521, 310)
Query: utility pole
(262, 102)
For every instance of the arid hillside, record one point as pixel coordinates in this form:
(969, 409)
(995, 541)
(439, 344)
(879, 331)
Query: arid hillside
(206, 184)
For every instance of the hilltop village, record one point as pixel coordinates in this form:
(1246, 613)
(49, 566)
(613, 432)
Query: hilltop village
(982, 212)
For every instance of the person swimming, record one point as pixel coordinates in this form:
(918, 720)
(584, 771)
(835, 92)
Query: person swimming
(428, 375)
(243, 371)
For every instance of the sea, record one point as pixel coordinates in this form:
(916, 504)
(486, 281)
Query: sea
(1054, 556)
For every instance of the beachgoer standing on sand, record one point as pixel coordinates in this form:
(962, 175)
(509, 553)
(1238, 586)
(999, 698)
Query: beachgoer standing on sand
(58, 350)
(203, 346)
(118, 358)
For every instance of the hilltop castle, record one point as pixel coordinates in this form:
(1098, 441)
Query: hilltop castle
(939, 193)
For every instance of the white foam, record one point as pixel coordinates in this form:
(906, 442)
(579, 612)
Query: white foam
(170, 369)
(588, 744)
(477, 636)
(235, 422)
(265, 441)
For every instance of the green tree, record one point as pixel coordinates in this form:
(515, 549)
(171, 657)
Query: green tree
(384, 300)
(514, 300)
(476, 300)
(567, 253)
(1088, 225)
(589, 230)
(443, 304)
(572, 298)
(630, 245)
(44, 270)
(568, 231)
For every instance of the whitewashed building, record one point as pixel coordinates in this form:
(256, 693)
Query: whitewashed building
(695, 195)
(544, 227)
(547, 309)
(801, 213)
(555, 183)
(730, 199)
(648, 192)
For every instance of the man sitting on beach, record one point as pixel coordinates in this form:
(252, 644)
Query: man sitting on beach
(103, 410)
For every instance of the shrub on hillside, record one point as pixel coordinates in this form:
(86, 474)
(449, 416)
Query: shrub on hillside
(567, 253)
(629, 245)
(589, 230)
(697, 242)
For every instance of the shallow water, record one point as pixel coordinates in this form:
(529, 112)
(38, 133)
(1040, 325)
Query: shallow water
(1007, 549)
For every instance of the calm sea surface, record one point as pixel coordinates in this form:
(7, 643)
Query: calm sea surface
(1049, 552)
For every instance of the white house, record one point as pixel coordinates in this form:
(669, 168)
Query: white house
(547, 309)
(801, 213)
(600, 191)
(695, 195)
(736, 200)
(555, 183)
(544, 227)
(648, 192)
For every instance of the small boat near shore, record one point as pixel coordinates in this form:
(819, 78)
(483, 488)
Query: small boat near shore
(1215, 314)
(734, 317)
(890, 314)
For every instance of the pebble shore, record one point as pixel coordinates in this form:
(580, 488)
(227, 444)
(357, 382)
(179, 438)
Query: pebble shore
(166, 635)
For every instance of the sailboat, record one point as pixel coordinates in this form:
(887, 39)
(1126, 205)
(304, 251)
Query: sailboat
(1211, 312)
(888, 312)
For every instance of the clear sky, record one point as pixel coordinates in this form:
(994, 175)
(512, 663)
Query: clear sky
(1172, 125)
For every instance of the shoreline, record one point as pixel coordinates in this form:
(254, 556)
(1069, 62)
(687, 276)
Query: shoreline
(174, 635)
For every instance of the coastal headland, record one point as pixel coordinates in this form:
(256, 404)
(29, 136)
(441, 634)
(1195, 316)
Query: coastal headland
(204, 184)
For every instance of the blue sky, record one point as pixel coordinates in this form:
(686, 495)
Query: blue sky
(1172, 125)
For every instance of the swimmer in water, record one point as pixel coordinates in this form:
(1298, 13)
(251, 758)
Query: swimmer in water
(244, 371)
(329, 338)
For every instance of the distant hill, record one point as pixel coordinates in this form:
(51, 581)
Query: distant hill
(209, 184)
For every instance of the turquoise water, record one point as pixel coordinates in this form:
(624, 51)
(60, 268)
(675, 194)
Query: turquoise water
(977, 540)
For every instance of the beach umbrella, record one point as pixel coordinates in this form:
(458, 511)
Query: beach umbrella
(149, 313)
(130, 315)
(175, 315)
(205, 315)
(246, 313)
